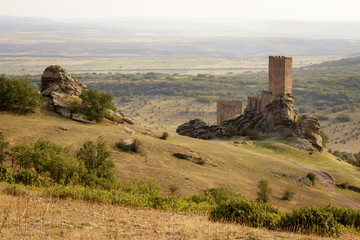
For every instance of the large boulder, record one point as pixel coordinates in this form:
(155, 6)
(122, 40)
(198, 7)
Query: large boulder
(197, 128)
(55, 78)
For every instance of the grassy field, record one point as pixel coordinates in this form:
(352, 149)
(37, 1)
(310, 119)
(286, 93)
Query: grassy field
(237, 167)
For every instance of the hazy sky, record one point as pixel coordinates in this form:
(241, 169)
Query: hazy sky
(323, 10)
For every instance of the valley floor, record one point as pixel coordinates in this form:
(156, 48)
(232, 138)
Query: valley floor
(35, 216)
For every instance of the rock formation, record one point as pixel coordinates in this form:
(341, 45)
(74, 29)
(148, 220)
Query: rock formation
(63, 90)
(199, 129)
(281, 118)
(55, 78)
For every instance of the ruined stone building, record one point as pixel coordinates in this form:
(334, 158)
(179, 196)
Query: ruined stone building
(280, 83)
(228, 109)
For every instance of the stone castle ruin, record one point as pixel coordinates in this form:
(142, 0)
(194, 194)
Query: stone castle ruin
(271, 114)
(280, 83)
(228, 109)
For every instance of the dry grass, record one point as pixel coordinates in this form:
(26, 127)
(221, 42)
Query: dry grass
(37, 217)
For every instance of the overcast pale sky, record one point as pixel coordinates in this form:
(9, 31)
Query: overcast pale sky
(322, 10)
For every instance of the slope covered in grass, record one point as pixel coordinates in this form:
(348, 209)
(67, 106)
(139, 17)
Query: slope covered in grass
(238, 167)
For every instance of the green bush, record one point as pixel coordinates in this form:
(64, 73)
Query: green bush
(310, 221)
(98, 164)
(14, 189)
(231, 130)
(252, 134)
(164, 136)
(50, 159)
(135, 146)
(325, 138)
(173, 188)
(311, 176)
(264, 191)
(343, 118)
(244, 211)
(18, 95)
(95, 104)
(3, 146)
(288, 194)
(22, 155)
(27, 177)
(5, 174)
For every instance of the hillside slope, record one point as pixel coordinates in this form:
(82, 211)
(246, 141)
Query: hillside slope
(239, 167)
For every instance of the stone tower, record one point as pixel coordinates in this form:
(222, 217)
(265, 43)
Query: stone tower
(227, 109)
(280, 75)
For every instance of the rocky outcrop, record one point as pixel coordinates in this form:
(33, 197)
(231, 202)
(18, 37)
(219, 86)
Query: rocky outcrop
(55, 78)
(277, 118)
(63, 90)
(281, 118)
(199, 129)
(296, 178)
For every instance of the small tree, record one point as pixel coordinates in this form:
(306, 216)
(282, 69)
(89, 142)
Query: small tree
(3, 146)
(231, 130)
(311, 176)
(164, 136)
(325, 138)
(264, 191)
(97, 160)
(95, 103)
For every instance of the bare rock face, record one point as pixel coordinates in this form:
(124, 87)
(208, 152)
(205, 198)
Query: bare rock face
(310, 129)
(278, 118)
(55, 78)
(199, 129)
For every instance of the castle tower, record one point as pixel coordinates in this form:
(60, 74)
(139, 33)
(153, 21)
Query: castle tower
(280, 75)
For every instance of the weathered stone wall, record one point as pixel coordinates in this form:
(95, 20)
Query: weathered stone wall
(253, 104)
(228, 109)
(280, 75)
(266, 98)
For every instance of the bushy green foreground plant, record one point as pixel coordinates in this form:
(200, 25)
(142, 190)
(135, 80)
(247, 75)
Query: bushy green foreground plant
(244, 211)
(44, 162)
(18, 95)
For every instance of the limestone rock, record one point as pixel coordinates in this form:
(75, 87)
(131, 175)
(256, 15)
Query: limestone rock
(128, 120)
(129, 131)
(81, 118)
(310, 129)
(197, 128)
(55, 78)
(296, 178)
(62, 103)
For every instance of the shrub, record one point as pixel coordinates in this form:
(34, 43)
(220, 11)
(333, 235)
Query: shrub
(164, 136)
(220, 195)
(325, 138)
(135, 146)
(22, 155)
(264, 191)
(3, 146)
(50, 159)
(231, 130)
(96, 103)
(173, 188)
(288, 194)
(252, 134)
(343, 118)
(311, 176)
(310, 221)
(97, 161)
(14, 189)
(5, 174)
(18, 95)
(244, 211)
(27, 177)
